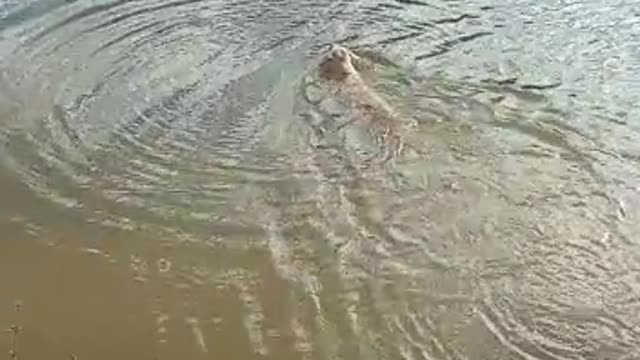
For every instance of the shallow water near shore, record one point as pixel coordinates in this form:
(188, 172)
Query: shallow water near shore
(165, 190)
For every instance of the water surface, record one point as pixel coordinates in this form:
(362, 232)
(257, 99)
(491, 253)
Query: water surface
(165, 195)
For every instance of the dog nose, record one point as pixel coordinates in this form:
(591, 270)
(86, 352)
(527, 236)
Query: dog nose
(337, 49)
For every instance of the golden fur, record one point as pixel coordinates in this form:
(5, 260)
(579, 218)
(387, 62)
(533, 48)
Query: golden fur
(339, 68)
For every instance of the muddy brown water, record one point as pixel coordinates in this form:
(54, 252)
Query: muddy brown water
(165, 192)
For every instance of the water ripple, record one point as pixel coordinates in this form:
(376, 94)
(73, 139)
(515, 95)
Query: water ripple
(171, 143)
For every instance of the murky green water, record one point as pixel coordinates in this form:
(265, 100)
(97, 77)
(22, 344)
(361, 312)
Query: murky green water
(165, 192)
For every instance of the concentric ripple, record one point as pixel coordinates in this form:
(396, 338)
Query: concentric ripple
(164, 184)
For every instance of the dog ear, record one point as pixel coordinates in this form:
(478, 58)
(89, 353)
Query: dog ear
(359, 63)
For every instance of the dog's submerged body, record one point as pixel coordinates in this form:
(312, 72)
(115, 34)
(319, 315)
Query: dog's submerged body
(340, 71)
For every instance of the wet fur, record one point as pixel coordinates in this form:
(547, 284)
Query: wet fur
(341, 70)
